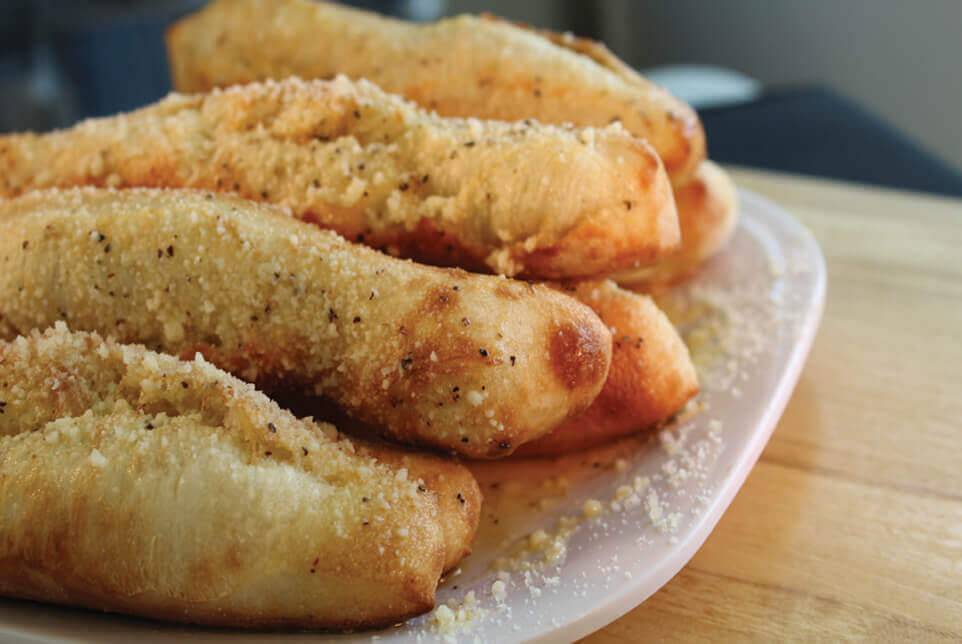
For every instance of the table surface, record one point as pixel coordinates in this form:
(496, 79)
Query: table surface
(850, 525)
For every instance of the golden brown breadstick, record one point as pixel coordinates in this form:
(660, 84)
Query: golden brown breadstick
(707, 214)
(528, 199)
(471, 363)
(457, 493)
(135, 482)
(464, 66)
(650, 379)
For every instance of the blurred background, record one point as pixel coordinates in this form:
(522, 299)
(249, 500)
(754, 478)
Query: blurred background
(862, 90)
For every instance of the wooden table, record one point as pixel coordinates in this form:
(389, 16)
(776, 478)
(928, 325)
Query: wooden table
(850, 525)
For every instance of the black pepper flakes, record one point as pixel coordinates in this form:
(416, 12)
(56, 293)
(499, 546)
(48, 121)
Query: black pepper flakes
(403, 187)
(470, 144)
(461, 499)
(272, 428)
(465, 322)
(504, 445)
(513, 360)
(406, 362)
(183, 383)
(483, 352)
(25, 244)
(149, 426)
(305, 451)
(170, 251)
(107, 248)
(331, 315)
(357, 319)
(465, 439)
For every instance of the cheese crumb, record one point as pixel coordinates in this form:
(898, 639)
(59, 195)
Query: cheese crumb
(592, 508)
(499, 590)
(475, 397)
(97, 459)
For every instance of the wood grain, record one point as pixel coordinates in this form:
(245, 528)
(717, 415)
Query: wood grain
(850, 526)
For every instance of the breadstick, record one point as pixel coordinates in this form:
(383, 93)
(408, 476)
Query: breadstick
(650, 379)
(134, 482)
(457, 493)
(469, 363)
(707, 214)
(463, 66)
(512, 198)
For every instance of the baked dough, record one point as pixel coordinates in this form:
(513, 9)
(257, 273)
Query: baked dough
(475, 364)
(134, 482)
(512, 198)
(707, 214)
(457, 492)
(650, 379)
(463, 66)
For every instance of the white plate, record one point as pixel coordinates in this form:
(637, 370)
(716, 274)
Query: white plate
(753, 314)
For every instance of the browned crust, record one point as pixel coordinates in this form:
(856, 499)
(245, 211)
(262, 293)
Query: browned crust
(452, 66)
(650, 379)
(682, 154)
(21, 581)
(519, 199)
(458, 494)
(438, 357)
(707, 215)
(84, 417)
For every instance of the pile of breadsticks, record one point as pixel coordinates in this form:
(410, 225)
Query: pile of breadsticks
(259, 230)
